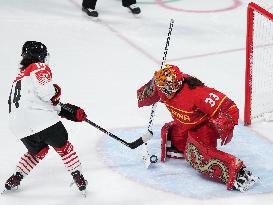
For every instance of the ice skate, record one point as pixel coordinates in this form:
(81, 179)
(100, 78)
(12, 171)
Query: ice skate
(134, 9)
(244, 180)
(90, 12)
(13, 182)
(79, 180)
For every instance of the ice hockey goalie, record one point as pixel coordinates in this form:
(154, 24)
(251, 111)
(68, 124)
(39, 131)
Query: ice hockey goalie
(201, 115)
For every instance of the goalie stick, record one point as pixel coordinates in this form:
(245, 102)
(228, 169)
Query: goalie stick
(147, 158)
(162, 64)
(146, 154)
(131, 145)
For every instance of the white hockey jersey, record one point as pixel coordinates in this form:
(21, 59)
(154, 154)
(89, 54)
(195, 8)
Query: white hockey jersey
(29, 102)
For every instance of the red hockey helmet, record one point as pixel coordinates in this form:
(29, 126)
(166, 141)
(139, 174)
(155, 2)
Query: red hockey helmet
(169, 79)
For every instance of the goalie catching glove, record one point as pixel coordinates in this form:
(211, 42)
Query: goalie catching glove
(224, 125)
(72, 112)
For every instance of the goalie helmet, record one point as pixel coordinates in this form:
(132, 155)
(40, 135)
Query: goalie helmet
(169, 80)
(34, 52)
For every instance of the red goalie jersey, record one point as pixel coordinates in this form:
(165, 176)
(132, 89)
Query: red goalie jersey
(190, 107)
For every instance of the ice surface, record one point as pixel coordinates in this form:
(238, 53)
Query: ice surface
(99, 65)
(177, 176)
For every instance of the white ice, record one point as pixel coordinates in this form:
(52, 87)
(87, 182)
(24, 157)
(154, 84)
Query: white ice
(100, 65)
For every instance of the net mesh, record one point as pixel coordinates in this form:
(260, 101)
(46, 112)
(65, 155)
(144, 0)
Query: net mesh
(262, 66)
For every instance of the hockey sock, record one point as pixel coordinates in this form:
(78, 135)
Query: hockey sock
(69, 157)
(28, 161)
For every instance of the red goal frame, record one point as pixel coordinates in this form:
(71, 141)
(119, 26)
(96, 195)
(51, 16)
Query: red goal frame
(252, 7)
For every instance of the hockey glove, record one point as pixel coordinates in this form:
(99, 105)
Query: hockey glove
(56, 98)
(224, 126)
(73, 113)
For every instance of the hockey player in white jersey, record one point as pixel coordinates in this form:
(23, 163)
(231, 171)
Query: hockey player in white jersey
(35, 116)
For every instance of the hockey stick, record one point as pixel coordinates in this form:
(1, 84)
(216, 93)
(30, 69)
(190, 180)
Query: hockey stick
(167, 42)
(146, 156)
(162, 64)
(131, 145)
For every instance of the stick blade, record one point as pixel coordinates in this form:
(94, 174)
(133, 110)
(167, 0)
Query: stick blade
(136, 143)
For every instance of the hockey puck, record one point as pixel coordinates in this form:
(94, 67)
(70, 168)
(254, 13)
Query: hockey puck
(153, 159)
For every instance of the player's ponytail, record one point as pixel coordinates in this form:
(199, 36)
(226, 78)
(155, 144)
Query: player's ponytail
(193, 82)
(26, 61)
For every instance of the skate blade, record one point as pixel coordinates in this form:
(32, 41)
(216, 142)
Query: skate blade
(4, 191)
(95, 19)
(137, 16)
(249, 185)
(11, 190)
(71, 184)
(84, 193)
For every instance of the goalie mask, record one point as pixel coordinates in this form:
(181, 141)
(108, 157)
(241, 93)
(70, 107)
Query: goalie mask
(169, 80)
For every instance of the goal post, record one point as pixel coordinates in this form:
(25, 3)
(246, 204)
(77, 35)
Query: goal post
(259, 64)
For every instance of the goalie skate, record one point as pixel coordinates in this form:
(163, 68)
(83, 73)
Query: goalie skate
(245, 180)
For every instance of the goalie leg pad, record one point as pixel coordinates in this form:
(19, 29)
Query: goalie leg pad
(164, 140)
(178, 138)
(211, 162)
(172, 138)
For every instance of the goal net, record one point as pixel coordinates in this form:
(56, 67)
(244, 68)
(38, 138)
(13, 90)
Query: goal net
(259, 64)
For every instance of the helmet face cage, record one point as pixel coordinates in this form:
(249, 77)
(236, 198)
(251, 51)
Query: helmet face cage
(166, 79)
(35, 50)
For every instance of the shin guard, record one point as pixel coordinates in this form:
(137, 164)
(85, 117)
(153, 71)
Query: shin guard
(28, 161)
(69, 157)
